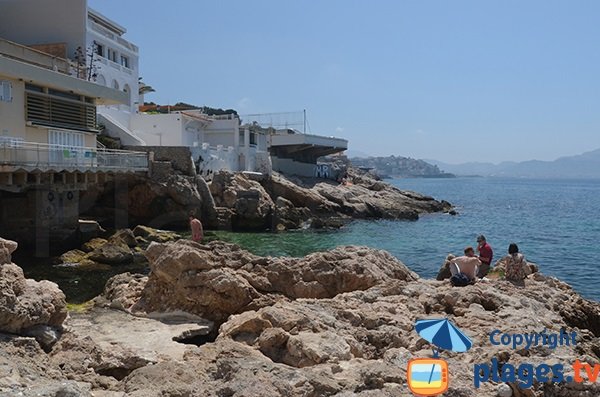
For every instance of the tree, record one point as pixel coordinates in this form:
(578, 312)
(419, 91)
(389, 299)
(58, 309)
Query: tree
(143, 88)
(87, 70)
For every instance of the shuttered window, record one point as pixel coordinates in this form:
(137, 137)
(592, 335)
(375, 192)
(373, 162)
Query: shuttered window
(59, 109)
(5, 91)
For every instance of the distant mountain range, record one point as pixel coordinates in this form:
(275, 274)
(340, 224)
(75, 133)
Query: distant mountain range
(402, 167)
(586, 165)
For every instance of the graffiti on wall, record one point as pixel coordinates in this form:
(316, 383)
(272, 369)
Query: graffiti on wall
(322, 171)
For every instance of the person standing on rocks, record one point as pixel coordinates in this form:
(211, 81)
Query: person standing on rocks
(485, 255)
(197, 231)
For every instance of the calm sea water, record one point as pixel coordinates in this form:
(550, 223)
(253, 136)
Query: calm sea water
(556, 223)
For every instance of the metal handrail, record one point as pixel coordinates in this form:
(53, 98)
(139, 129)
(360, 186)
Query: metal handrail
(42, 155)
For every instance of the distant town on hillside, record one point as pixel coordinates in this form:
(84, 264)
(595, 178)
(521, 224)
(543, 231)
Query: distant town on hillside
(400, 167)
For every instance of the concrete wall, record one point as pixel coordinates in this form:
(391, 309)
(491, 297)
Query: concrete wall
(39, 217)
(158, 129)
(292, 167)
(12, 114)
(179, 156)
(44, 22)
(214, 160)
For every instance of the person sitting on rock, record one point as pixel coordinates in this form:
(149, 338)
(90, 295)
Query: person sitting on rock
(464, 268)
(515, 265)
(197, 231)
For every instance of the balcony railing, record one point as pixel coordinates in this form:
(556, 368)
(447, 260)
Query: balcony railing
(20, 154)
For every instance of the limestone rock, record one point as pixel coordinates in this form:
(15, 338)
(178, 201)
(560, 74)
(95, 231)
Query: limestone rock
(113, 252)
(125, 236)
(150, 234)
(7, 247)
(251, 205)
(73, 256)
(287, 216)
(123, 290)
(25, 303)
(90, 246)
(338, 323)
(219, 279)
(158, 202)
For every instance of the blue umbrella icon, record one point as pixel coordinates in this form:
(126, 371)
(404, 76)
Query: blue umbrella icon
(443, 334)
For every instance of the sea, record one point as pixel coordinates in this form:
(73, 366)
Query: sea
(556, 224)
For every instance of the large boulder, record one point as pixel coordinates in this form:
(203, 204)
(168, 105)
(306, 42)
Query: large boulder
(155, 201)
(7, 247)
(220, 279)
(252, 207)
(113, 252)
(26, 303)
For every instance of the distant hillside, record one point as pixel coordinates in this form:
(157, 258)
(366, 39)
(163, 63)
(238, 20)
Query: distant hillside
(402, 167)
(586, 165)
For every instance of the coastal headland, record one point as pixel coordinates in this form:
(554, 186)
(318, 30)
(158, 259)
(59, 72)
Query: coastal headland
(215, 320)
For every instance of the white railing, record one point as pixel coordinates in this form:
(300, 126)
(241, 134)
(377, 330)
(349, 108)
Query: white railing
(43, 156)
(112, 36)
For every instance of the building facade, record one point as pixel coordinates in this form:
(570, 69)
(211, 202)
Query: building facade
(48, 148)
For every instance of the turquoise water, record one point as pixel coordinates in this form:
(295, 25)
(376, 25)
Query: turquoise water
(556, 223)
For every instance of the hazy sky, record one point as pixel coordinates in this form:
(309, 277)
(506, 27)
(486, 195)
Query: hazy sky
(448, 80)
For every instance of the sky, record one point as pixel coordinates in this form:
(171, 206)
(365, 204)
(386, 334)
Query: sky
(453, 81)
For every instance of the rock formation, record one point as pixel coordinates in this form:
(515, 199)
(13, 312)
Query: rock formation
(123, 247)
(220, 279)
(337, 323)
(162, 201)
(280, 202)
(28, 307)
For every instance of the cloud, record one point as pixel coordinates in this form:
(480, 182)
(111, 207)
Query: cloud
(339, 129)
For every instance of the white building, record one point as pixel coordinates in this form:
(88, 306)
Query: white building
(64, 28)
(216, 142)
(48, 150)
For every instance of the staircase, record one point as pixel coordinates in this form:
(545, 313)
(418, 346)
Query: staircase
(118, 130)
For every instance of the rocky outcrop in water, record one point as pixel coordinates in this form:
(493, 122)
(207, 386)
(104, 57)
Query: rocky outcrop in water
(278, 202)
(125, 246)
(337, 323)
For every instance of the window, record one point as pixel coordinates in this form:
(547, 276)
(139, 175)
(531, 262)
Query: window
(99, 49)
(56, 108)
(125, 61)
(112, 54)
(5, 91)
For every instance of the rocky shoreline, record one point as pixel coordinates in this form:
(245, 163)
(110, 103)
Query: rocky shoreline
(215, 320)
(254, 202)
